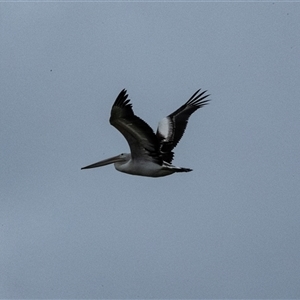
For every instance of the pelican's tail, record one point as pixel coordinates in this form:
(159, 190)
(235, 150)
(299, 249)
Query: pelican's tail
(182, 169)
(174, 169)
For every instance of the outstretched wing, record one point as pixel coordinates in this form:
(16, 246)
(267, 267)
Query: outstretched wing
(142, 141)
(171, 128)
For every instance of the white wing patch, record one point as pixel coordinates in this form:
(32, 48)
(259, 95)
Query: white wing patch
(165, 128)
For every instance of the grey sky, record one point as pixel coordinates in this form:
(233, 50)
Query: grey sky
(229, 229)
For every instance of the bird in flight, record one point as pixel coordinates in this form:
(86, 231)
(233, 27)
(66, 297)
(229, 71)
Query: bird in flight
(150, 154)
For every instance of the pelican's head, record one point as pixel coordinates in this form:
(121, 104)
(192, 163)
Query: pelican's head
(119, 159)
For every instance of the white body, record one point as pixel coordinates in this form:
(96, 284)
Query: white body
(146, 168)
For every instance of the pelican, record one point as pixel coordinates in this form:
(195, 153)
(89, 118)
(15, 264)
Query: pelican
(151, 154)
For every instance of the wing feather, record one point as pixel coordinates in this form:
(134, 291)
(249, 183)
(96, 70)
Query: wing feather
(171, 128)
(142, 141)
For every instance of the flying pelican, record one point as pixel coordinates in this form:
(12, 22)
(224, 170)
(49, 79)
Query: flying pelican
(151, 154)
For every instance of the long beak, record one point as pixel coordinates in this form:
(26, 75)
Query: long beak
(104, 162)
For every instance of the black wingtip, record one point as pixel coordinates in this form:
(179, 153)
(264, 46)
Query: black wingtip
(198, 99)
(122, 99)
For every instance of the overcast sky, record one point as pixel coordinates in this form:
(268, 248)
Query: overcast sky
(229, 229)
